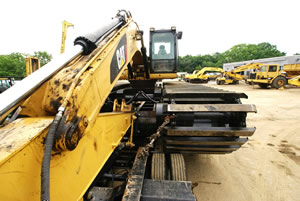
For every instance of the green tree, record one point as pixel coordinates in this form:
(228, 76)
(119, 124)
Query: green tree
(244, 52)
(187, 63)
(14, 64)
(241, 52)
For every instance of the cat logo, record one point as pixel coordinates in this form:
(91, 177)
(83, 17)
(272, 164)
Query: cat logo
(121, 58)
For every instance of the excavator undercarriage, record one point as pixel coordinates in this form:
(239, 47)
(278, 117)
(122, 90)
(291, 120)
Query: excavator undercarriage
(201, 120)
(206, 120)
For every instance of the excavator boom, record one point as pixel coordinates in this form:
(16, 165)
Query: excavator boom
(75, 87)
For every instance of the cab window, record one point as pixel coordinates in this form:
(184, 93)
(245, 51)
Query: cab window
(263, 69)
(163, 46)
(272, 68)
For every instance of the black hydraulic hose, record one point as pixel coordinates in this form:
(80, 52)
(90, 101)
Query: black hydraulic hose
(45, 171)
(146, 96)
(133, 98)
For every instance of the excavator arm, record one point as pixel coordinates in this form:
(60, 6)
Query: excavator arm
(68, 104)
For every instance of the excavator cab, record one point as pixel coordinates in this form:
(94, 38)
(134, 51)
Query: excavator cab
(163, 50)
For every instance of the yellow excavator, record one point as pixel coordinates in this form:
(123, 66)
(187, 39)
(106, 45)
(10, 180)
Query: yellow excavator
(73, 130)
(204, 75)
(237, 74)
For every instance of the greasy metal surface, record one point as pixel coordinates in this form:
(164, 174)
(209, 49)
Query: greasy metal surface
(205, 140)
(211, 108)
(22, 169)
(100, 193)
(210, 131)
(133, 190)
(198, 152)
(203, 148)
(191, 100)
(167, 190)
(185, 89)
(13, 136)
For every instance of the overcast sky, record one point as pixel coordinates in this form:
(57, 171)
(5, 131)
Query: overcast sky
(208, 26)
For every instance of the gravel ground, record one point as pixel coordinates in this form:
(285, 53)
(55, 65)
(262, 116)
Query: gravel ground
(268, 166)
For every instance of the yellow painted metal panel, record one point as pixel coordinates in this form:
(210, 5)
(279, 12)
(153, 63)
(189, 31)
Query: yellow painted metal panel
(19, 133)
(163, 76)
(71, 172)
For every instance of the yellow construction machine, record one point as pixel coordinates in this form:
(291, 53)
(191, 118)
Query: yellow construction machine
(32, 64)
(275, 76)
(295, 81)
(237, 74)
(74, 131)
(65, 26)
(293, 74)
(204, 75)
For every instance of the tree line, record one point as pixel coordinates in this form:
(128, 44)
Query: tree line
(13, 65)
(241, 52)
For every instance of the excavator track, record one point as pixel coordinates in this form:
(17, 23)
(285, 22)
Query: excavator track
(206, 120)
(209, 120)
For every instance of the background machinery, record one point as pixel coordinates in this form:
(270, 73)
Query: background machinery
(272, 75)
(237, 74)
(65, 26)
(204, 75)
(32, 64)
(74, 131)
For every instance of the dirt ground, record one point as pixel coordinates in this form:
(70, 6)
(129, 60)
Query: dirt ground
(268, 166)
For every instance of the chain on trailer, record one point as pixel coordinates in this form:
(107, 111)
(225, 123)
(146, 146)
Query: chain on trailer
(155, 136)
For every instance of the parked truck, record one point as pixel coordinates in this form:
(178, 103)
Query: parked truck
(272, 75)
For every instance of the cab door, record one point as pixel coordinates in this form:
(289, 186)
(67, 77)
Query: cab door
(272, 71)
